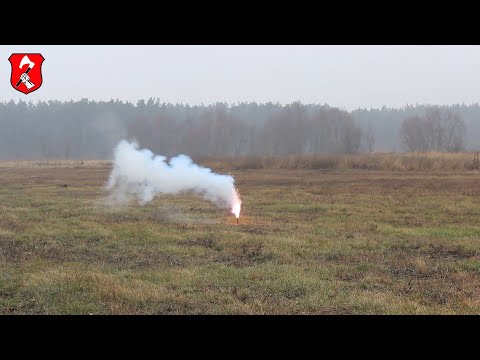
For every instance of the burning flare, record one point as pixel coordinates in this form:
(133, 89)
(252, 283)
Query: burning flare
(139, 173)
(236, 203)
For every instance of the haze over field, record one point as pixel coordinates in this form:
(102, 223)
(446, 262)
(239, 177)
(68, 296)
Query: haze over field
(236, 100)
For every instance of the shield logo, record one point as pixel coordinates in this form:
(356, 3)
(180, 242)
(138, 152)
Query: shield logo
(26, 72)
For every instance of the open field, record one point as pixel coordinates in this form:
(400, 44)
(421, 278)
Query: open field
(334, 241)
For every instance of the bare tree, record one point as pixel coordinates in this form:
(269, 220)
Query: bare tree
(370, 138)
(412, 134)
(351, 136)
(440, 129)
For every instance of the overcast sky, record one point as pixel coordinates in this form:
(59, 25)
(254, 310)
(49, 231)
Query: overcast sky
(343, 76)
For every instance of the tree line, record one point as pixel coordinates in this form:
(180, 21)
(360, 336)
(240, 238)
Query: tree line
(89, 129)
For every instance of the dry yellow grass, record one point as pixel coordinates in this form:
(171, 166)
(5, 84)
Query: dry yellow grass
(419, 161)
(53, 163)
(430, 161)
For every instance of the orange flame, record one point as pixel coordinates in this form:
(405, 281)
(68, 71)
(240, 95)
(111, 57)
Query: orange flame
(236, 203)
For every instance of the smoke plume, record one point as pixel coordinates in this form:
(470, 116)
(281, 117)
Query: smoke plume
(141, 174)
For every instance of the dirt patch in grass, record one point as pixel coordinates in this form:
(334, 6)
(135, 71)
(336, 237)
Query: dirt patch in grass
(244, 255)
(206, 242)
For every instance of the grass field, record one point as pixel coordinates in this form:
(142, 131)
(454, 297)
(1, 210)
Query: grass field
(308, 242)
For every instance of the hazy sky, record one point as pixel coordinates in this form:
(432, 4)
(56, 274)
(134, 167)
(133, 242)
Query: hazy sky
(344, 76)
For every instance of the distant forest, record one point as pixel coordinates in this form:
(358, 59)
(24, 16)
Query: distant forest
(89, 130)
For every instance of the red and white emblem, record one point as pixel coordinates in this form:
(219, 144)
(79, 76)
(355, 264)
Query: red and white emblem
(26, 72)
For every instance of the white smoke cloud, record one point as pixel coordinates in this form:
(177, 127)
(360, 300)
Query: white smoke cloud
(141, 174)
